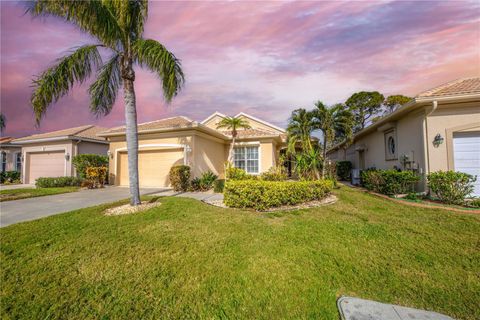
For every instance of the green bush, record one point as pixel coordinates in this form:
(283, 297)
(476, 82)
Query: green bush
(203, 183)
(344, 169)
(82, 161)
(451, 187)
(180, 177)
(261, 195)
(219, 185)
(276, 173)
(10, 177)
(474, 203)
(389, 182)
(58, 182)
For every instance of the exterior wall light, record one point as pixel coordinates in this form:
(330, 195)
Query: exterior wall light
(438, 140)
(109, 154)
(67, 156)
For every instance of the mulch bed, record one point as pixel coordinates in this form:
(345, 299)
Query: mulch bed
(128, 209)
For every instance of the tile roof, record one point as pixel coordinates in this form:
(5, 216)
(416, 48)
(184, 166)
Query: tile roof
(6, 140)
(250, 133)
(175, 122)
(460, 86)
(88, 132)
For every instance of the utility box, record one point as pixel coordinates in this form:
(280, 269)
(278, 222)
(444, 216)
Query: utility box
(356, 177)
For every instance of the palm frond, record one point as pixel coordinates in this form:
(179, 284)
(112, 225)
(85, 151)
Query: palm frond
(103, 91)
(3, 122)
(91, 16)
(131, 15)
(56, 81)
(153, 55)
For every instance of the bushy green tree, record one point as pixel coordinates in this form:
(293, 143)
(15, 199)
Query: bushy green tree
(299, 130)
(364, 105)
(393, 102)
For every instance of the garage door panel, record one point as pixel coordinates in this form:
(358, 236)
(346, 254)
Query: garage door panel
(153, 167)
(45, 164)
(466, 155)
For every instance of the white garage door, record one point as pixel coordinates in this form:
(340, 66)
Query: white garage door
(153, 167)
(466, 155)
(45, 164)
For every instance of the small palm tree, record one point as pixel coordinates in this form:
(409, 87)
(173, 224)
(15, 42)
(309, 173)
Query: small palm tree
(118, 27)
(233, 124)
(3, 122)
(300, 130)
(333, 121)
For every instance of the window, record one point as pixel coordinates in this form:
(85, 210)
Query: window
(390, 145)
(4, 161)
(246, 158)
(18, 161)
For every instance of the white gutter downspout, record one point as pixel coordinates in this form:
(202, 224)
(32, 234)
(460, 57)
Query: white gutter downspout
(426, 152)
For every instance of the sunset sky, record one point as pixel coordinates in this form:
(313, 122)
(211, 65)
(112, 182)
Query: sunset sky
(263, 58)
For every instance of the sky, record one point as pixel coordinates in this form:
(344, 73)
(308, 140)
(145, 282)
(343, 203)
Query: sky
(262, 58)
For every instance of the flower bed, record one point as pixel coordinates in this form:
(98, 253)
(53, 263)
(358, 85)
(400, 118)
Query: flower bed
(262, 195)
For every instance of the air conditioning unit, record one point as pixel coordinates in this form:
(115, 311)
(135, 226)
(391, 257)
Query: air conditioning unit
(356, 177)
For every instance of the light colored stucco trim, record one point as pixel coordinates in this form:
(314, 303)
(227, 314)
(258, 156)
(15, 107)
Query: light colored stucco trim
(58, 139)
(213, 115)
(449, 141)
(261, 121)
(155, 146)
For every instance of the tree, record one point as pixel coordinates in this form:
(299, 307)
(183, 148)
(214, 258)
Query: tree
(233, 124)
(3, 122)
(300, 130)
(364, 105)
(394, 102)
(333, 121)
(117, 27)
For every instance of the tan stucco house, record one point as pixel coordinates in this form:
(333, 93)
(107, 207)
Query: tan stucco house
(10, 155)
(180, 140)
(439, 129)
(50, 154)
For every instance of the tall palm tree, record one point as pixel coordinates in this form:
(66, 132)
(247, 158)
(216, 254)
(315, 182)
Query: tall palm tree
(117, 26)
(300, 130)
(233, 124)
(336, 120)
(3, 122)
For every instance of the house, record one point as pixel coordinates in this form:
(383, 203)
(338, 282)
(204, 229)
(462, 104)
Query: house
(181, 141)
(50, 154)
(10, 155)
(439, 129)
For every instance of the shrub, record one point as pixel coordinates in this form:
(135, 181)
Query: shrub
(58, 182)
(10, 177)
(451, 187)
(389, 182)
(83, 161)
(97, 176)
(219, 185)
(474, 203)
(235, 173)
(204, 183)
(330, 171)
(344, 169)
(261, 195)
(276, 173)
(180, 177)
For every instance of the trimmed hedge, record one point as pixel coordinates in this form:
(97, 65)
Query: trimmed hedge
(451, 187)
(83, 161)
(58, 182)
(261, 195)
(9, 176)
(389, 182)
(180, 177)
(344, 169)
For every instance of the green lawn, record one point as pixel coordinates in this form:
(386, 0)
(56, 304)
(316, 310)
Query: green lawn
(185, 259)
(23, 193)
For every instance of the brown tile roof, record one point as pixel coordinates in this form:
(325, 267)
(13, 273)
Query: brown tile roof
(5, 139)
(251, 133)
(88, 131)
(175, 122)
(460, 86)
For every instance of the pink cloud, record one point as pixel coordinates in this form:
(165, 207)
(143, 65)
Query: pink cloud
(266, 58)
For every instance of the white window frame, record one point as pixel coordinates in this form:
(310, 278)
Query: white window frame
(244, 147)
(3, 160)
(17, 164)
(393, 135)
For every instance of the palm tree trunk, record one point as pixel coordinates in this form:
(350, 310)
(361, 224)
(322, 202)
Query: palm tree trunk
(132, 139)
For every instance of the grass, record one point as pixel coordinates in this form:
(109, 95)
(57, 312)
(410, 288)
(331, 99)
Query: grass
(23, 193)
(185, 259)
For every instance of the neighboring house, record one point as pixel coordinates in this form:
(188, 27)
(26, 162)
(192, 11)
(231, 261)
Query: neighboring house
(50, 154)
(437, 130)
(180, 140)
(10, 155)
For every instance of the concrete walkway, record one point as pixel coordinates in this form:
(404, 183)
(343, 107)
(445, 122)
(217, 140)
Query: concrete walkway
(35, 208)
(16, 186)
(361, 309)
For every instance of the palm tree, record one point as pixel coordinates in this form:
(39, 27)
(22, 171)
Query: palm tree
(300, 130)
(333, 121)
(3, 122)
(117, 27)
(233, 124)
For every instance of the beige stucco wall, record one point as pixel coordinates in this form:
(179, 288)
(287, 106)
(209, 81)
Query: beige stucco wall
(446, 120)
(86, 147)
(10, 153)
(208, 155)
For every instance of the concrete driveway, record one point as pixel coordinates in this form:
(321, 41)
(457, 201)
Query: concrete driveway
(35, 208)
